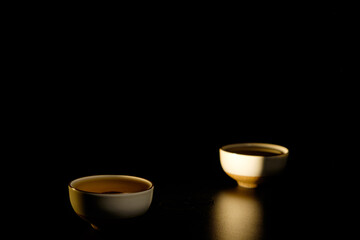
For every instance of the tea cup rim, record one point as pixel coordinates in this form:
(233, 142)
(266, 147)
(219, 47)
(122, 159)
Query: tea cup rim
(284, 150)
(111, 194)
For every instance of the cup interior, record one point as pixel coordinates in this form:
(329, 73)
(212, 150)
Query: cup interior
(111, 184)
(256, 149)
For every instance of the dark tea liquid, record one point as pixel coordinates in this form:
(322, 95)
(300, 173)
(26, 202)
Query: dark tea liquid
(112, 185)
(255, 151)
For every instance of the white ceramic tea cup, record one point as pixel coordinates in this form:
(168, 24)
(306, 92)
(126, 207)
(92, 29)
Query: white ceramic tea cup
(245, 163)
(98, 200)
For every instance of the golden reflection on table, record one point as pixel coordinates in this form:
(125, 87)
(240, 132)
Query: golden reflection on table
(237, 214)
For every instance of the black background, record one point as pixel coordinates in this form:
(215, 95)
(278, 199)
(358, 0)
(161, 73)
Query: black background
(156, 95)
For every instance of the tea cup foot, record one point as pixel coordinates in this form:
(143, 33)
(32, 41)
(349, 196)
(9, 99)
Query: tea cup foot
(95, 227)
(247, 181)
(247, 185)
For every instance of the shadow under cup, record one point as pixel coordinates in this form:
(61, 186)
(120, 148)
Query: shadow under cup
(106, 200)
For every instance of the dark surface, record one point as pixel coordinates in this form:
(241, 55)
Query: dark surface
(225, 213)
(193, 198)
(209, 206)
(158, 97)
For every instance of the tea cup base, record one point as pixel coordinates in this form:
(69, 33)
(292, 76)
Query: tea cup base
(247, 185)
(95, 227)
(247, 181)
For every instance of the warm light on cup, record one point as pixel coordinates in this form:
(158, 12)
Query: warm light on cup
(103, 200)
(251, 163)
